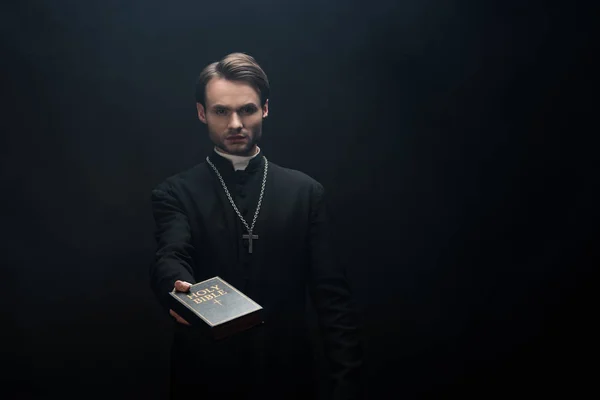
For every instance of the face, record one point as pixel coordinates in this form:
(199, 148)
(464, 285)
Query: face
(233, 115)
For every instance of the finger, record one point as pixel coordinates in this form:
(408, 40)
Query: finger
(182, 286)
(178, 318)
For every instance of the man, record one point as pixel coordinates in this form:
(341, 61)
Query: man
(263, 229)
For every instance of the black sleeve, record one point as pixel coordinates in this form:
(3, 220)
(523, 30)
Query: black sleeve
(332, 300)
(174, 254)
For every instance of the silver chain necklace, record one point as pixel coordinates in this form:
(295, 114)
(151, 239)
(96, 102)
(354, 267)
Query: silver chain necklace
(250, 237)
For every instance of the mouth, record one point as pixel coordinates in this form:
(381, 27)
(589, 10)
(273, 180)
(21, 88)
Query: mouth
(236, 138)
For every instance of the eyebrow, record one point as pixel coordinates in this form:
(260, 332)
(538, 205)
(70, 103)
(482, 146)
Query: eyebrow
(227, 108)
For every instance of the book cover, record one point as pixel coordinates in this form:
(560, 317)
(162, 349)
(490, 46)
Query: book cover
(217, 307)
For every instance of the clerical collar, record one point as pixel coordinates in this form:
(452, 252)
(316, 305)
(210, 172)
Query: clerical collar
(238, 162)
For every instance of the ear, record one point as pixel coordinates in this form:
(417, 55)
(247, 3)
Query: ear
(201, 113)
(266, 109)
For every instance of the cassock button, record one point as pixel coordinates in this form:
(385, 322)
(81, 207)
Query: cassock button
(241, 176)
(242, 194)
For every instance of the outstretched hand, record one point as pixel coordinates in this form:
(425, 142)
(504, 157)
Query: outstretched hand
(180, 286)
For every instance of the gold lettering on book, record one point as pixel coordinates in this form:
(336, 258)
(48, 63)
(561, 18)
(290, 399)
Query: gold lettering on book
(207, 294)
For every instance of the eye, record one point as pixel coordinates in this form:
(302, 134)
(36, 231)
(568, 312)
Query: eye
(248, 110)
(220, 111)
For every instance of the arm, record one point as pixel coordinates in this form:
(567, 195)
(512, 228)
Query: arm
(174, 254)
(331, 296)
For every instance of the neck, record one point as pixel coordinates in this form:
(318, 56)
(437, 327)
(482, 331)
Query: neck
(251, 153)
(238, 162)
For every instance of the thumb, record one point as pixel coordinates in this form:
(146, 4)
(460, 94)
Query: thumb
(182, 286)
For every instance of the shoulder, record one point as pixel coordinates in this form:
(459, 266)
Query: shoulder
(296, 178)
(179, 181)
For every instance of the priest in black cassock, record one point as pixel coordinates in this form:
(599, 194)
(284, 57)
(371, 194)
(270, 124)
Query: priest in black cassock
(264, 229)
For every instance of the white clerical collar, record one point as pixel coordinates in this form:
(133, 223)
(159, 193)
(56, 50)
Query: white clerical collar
(239, 162)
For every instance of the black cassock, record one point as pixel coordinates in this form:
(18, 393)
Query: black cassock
(199, 236)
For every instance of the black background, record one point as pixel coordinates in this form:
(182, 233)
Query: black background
(450, 136)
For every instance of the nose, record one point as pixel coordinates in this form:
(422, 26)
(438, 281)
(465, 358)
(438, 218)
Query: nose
(235, 122)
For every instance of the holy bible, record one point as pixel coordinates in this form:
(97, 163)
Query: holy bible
(217, 307)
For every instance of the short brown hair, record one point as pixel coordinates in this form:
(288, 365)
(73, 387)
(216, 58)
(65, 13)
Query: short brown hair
(234, 67)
